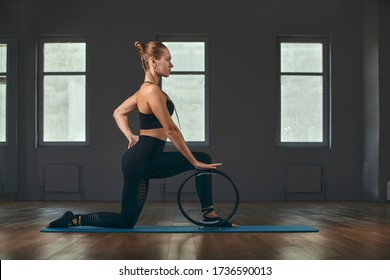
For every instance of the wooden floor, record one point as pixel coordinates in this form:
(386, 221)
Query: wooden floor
(347, 230)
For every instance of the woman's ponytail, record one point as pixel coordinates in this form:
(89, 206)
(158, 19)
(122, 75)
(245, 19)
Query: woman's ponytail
(140, 47)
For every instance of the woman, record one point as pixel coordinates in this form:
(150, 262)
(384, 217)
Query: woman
(145, 158)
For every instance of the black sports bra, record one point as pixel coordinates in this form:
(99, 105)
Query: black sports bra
(150, 121)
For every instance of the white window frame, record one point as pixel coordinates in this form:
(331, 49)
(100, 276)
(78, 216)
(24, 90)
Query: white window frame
(41, 74)
(10, 77)
(206, 73)
(326, 141)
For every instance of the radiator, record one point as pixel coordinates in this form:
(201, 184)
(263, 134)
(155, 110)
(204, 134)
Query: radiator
(62, 178)
(304, 178)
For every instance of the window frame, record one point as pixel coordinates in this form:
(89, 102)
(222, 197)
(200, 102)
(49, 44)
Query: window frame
(10, 93)
(206, 40)
(326, 94)
(41, 40)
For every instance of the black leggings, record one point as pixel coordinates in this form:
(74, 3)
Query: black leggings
(146, 160)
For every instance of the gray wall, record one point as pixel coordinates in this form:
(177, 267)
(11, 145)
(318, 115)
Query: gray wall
(375, 85)
(243, 88)
(384, 98)
(8, 154)
(370, 86)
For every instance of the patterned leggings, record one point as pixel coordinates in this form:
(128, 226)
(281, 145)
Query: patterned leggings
(146, 160)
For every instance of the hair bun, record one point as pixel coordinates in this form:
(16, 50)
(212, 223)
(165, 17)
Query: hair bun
(139, 46)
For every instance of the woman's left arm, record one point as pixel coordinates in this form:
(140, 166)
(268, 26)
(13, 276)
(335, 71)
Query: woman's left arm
(157, 102)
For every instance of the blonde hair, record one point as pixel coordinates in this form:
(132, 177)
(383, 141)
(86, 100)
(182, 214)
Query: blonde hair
(148, 50)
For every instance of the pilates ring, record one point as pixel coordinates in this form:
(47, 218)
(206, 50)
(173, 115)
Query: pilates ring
(197, 173)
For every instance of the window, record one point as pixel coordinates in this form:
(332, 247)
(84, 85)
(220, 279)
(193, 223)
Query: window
(187, 85)
(3, 93)
(62, 91)
(304, 91)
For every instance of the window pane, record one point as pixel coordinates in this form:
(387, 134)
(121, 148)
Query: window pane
(3, 58)
(64, 57)
(301, 57)
(64, 108)
(187, 56)
(188, 94)
(3, 109)
(301, 109)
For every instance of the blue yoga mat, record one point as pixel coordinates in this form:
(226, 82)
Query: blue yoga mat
(183, 229)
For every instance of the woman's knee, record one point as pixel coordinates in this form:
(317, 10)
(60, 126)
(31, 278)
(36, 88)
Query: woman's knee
(203, 157)
(128, 222)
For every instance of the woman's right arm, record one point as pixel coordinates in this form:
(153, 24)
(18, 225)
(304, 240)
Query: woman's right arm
(157, 101)
(122, 121)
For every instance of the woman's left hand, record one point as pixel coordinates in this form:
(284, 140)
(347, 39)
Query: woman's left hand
(133, 139)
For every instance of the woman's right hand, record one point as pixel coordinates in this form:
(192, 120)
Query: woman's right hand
(206, 166)
(133, 139)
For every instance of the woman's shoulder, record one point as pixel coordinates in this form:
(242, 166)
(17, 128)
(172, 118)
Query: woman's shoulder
(150, 91)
